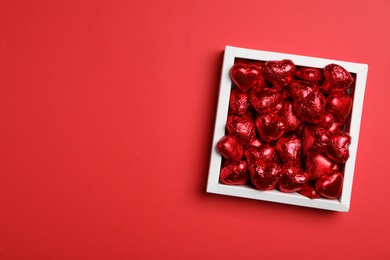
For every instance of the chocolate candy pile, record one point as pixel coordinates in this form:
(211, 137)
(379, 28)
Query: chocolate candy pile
(285, 128)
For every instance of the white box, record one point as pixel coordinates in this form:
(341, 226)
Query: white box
(356, 91)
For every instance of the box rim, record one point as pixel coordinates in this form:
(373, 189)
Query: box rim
(213, 185)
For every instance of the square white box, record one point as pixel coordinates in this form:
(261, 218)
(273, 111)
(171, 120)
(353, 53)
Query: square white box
(356, 91)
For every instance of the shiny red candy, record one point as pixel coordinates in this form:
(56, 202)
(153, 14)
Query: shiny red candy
(338, 149)
(239, 102)
(242, 128)
(270, 127)
(339, 105)
(318, 165)
(299, 89)
(289, 149)
(330, 184)
(291, 118)
(279, 73)
(245, 76)
(286, 128)
(235, 173)
(230, 148)
(336, 79)
(292, 178)
(315, 140)
(266, 100)
(265, 153)
(268, 153)
(312, 108)
(264, 175)
(251, 154)
(309, 74)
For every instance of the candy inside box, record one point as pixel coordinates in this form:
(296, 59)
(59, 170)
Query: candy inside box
(352, 126)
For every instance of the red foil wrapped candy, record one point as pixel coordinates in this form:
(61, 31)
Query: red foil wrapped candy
(292, 178)
(241, 128)
(299, 89)
(264, 175)
(338, 150)
(230, 148)
(270, 127)
(312, 108)
(279, 73)
(235, 173)
(327, 121)
(245, 76)
(265, 100)
(336, 79)
(318, 165)
(239, 102)
(289, 149)
(315, 140)
(265, 153)
(284, 128)
(291, 118)
(330, 185)
(339, 105)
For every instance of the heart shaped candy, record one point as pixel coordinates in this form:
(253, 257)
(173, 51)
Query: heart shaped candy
(330, 185)
(312, 108)
(230, 148)
(270, 127)
(251, 154)
(336, 79)
(318, 165)
(300, 89)
(289, 149)
(315, 140)
(264, 152)
(245, 76)
(264, 175)
(292, 178)
(236, 173)
(279, 73)
(265, 100)
(309, 74)
(242, 128)
(339, 105)
(338, 150)
(239, 102)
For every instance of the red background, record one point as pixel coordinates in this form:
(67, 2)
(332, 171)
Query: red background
(107, 111)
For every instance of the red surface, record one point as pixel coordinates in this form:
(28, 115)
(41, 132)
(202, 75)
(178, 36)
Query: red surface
(107, 111)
